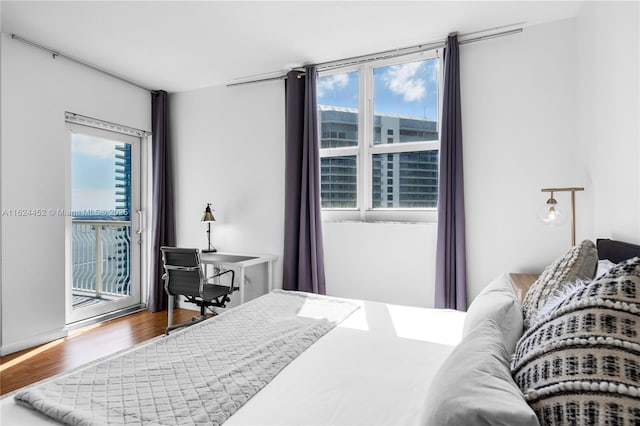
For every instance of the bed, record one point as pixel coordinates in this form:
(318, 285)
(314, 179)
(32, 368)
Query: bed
(366, 363)
(332, 382)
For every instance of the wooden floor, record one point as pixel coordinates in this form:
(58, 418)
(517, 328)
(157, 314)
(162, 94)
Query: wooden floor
(81, 346)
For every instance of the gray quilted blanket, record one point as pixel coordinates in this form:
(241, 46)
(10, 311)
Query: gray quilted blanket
(198, 375)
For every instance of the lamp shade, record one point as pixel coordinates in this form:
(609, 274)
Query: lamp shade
(208, 215)
(552, 214)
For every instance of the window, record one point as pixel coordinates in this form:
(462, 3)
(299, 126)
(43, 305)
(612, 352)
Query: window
(379, 140)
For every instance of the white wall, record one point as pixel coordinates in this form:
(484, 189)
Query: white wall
(518, 97)
(228, 149)
(36, 91)
(608, 115)
(387, 262)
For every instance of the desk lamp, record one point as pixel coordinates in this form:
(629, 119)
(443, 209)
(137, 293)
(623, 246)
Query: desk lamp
(208, 217)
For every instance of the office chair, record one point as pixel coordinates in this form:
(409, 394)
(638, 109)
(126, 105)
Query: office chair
(184, 276)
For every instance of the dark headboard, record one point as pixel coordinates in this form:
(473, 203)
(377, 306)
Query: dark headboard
(616, 251)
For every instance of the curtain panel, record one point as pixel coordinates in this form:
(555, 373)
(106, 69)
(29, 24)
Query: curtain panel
(162, 222)
(303, 259)
(451, 275)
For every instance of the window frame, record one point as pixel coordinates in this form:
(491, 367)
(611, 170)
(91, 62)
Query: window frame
(366, 148)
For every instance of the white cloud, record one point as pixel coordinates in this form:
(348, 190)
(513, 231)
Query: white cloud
(93, 146)
(434, 70)
(330, 83)
(402, 80)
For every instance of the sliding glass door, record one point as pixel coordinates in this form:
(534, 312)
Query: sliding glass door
(104, 243)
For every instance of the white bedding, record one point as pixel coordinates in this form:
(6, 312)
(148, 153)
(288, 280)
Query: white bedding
(373, 368)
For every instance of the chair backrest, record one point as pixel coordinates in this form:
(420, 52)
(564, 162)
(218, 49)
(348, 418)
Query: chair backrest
(183, 271)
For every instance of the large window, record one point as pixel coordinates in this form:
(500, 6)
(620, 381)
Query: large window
(379, 140)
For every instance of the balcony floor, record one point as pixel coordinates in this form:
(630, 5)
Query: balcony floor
(83, 301)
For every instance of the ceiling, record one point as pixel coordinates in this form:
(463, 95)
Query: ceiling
(185, 45)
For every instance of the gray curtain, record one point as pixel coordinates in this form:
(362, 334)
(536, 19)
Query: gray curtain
(303, 260)
(451, 274)
(162, 223)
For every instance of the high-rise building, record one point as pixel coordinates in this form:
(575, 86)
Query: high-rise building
(123, 210)
(338, 175)
(399, 180)
(123, 180)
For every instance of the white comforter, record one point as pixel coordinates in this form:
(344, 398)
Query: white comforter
(373, 368)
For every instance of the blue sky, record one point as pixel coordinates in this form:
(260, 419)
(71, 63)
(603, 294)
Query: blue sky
(92, 172)
(409, 89)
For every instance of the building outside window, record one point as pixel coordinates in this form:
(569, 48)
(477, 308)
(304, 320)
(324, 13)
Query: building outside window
(379, 140)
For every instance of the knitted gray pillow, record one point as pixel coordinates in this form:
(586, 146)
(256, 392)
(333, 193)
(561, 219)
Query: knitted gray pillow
(474, 385)
(498, 302)
(579, 263)
(580, 364)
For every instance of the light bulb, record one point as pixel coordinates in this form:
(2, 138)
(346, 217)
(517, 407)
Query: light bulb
(551, 213)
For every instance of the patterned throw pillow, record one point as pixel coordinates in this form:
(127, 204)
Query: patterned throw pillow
(580, 364)
(579, 263)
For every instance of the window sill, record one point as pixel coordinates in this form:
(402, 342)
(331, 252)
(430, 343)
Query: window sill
(397, 216)
(381, 222)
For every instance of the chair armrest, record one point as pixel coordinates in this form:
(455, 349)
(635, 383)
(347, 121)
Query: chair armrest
(218, 293)
(219, 274)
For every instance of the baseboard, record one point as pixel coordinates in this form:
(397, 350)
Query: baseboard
(59, 334)
(33, 341)
(105, 317)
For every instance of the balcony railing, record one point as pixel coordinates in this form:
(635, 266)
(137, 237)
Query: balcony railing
(101, 258)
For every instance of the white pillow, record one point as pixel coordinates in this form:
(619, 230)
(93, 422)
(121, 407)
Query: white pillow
(603, 267)
(474, 385)
(497, 302)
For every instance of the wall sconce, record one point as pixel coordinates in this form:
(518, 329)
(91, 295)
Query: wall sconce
(208, 218)
(551, 212)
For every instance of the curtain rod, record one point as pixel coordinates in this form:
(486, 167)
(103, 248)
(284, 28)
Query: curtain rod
(72, 117)
(55, 54)
(387, 54)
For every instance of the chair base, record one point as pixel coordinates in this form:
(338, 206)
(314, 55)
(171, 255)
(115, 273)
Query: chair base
(193, 321)
(220, 302)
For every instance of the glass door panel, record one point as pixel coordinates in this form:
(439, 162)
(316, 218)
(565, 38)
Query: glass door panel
(105, 249)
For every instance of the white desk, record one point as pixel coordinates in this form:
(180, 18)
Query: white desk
(238, 262)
